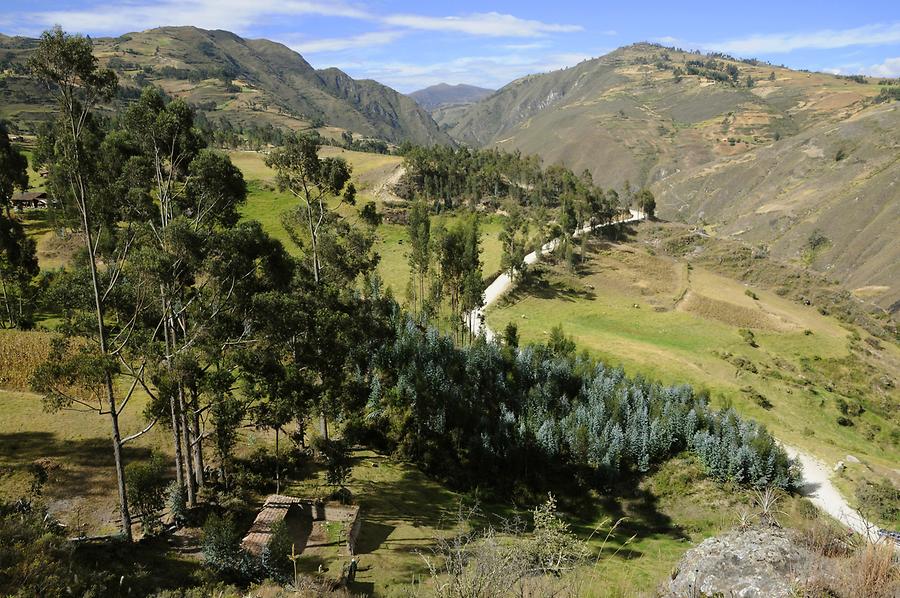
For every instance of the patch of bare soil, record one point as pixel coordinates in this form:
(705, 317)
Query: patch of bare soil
(729, 313)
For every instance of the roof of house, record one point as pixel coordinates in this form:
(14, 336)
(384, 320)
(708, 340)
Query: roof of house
(274, 510)
(29, 196)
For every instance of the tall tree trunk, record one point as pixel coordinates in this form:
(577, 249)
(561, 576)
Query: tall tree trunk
(197, 442)
(190, 480)
(173, 405)
(108, 382)
(323, 426)
(6, 302)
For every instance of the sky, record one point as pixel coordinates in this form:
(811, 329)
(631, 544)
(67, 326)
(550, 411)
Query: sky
(412, 44)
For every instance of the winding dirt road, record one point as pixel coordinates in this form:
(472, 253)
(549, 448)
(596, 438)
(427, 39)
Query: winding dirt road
(817, 485)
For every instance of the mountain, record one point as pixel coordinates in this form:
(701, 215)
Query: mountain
(442, 94)
(240, 80)
(754, 161)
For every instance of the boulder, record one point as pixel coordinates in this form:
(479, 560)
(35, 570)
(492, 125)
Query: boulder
(760, 562)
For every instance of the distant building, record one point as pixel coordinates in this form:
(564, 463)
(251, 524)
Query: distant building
(29, 200)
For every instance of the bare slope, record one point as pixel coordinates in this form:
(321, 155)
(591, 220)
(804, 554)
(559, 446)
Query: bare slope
(244, 81)
(801, 202)
(759, 159)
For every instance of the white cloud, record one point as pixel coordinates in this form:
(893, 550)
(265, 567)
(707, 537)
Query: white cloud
(233, 15)
(242, 15)
(338, 44)
(826, 39)
(491, 24)
(888, 68)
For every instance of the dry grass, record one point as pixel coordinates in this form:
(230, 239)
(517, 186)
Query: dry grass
(873, 571)
(727, 313)
(848, 566)
(20, 355)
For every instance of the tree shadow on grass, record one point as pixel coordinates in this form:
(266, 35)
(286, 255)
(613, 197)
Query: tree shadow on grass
(634, 512)
(75, 468)
(143, 567)
(372, 535)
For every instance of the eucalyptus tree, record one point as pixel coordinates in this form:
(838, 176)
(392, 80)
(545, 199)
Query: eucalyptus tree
(13, 169)
(65, 64)
(18, 259)
(514, 240)
(314, 182)
(459, 257)
(336, 257)
(419, 230)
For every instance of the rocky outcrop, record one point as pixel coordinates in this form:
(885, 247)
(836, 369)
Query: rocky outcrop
(763, 562)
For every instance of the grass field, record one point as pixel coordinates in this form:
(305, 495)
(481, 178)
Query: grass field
(403, 510)
(267, 205)
(656, 317)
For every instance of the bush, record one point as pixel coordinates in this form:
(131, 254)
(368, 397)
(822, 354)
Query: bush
(748, 336)
(176, 497)
(844, 421)
(221, 546)
(338, 464)
(276, 561)
(36, 559)
(751, 294)
(146, 486)
(881, 499)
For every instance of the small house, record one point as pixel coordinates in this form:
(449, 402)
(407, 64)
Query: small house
(29, 200)
(308, 522)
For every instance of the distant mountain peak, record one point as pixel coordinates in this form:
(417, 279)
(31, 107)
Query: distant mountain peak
(445, 94)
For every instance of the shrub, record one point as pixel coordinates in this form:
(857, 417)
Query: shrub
(36, 559)
(748, 336)
(881, 499)
(338, 463)
(275, 559)
(146, 486)
(554, 548)
(176, 497)
(840, 155)
(221, 546)
(751, 294)
(844, 421)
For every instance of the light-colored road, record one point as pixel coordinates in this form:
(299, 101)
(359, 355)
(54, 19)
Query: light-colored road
(817, 484)
(817, 487)
(503, 283)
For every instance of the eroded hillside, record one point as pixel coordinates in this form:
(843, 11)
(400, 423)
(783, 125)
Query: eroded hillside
(768, 154)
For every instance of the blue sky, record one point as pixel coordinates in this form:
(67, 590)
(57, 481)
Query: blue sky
(409, 45)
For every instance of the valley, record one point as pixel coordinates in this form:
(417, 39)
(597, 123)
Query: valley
(620, 329)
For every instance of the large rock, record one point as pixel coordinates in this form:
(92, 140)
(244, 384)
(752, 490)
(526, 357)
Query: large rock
(762, 562)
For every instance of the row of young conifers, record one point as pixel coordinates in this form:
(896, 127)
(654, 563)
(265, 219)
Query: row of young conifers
(492, 412)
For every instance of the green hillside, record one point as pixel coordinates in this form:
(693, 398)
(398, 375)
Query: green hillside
(663, 310)
(256, 82)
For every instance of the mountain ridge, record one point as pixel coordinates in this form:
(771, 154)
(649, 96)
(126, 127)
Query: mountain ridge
(698, 130)
(444, 94)
(246, 81)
